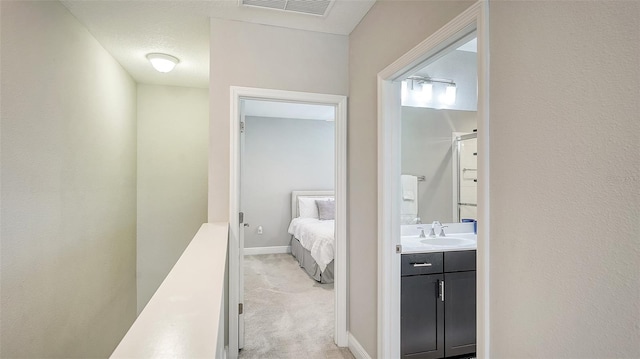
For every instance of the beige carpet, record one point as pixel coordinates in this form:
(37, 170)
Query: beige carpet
(287, 313)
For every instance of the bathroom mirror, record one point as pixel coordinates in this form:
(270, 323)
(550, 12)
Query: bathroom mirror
(439, 152)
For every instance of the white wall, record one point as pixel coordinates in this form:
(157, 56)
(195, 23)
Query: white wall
(173, 139)
(427, 151)
(565, 179)
(390, 29)
(252, 55)
(282, 155)
(68, 187)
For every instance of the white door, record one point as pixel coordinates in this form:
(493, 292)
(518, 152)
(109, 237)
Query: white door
(241, 234)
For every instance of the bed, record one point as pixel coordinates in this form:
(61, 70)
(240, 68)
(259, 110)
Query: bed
(312, 238)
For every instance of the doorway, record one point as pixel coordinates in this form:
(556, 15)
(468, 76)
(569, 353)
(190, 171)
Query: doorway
(390, 170)
(236, 231)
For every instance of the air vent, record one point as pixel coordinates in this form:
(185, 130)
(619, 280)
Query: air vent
(310, 7)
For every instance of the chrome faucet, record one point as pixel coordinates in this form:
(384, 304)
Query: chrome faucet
(422, 235)
(432, 232)
(442, 231)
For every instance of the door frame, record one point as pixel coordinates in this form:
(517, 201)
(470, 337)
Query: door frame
(389, 171)
(340, 257)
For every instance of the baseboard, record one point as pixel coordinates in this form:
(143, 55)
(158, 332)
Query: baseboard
(356, 349)
(266, 250)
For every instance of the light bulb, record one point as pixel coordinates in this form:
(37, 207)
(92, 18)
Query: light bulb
(424, 95)
(162, 62)
(449, 97)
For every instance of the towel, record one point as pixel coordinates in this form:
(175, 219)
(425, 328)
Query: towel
(409, 208)
(408, 195)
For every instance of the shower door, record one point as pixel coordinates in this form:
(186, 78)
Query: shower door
(466, 177)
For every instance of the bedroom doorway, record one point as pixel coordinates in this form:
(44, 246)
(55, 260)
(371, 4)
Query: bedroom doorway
(263, 110)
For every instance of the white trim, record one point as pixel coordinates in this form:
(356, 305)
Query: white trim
(474, 18)
(483, 348)
(234, 228)
(356, 349)
(266, 250)
(388, 232)
(340, 260)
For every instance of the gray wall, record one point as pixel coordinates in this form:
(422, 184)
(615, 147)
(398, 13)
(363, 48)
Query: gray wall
(427, 151)
(565, 179)
(68, 188)
(173, 124)
(282, 155)
(390, 29)
(252, 55)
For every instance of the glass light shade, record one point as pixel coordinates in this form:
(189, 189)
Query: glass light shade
(424, 95)
(163, 62)
(449, 97)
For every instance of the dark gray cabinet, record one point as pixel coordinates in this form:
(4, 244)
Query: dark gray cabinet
(460, 313)
(438, 305)
(420, 304)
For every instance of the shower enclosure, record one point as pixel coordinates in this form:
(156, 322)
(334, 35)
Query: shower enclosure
(465, 176)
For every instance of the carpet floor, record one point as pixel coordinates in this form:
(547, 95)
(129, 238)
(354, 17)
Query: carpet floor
(287, 313)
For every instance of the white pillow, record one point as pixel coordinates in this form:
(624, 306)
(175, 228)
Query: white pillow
(307, 207)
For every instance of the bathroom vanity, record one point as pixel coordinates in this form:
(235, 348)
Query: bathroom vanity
(438, 297)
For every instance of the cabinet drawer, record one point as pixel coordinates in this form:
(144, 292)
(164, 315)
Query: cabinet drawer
(459, 261)
(421, 263)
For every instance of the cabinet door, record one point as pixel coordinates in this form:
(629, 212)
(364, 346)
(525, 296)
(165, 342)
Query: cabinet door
(422, 317)
(460, 313)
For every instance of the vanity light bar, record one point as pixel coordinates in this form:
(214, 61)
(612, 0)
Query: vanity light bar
(422, 79)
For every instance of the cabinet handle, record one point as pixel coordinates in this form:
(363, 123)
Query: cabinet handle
(442, 290)
(422, 264)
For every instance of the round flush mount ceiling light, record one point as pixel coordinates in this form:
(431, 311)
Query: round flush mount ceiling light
(162, 62)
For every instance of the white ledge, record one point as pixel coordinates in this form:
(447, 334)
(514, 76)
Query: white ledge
(184, 318)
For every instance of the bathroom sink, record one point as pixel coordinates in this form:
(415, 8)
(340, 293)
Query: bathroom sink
(452, 242)
(448, 241)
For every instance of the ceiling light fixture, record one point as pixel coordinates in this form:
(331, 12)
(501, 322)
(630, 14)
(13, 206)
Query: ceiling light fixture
(425, 85)
(162, 62)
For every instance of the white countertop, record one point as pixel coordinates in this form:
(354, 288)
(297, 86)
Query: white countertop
(453, 242)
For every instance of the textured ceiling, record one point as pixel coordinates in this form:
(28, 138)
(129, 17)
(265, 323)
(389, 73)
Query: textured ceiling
(131, 29)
